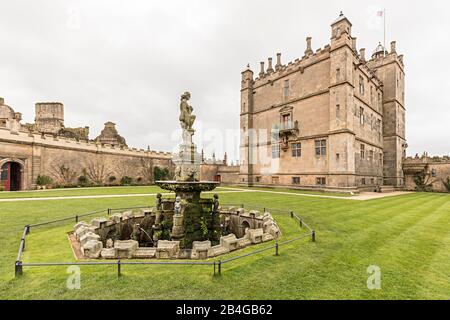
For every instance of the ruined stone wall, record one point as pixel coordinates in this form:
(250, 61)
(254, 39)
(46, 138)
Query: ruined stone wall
(46, 154)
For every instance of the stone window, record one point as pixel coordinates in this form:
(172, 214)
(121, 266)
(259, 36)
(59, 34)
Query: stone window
(258, 179)
(371, 155)
(361, 85)
(321, 147)
(295, 180)
(362, 151)
(363, 181)
(286, 88)
(338, 74)
(296, 150)
(338, 111)
(371, 95)
(320, 181)
(275, 150)
(361, 115)
(338, 156)
(275, 180)
(372, 181)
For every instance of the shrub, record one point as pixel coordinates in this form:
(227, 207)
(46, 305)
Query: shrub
(82, 180)
(160, 174)
(446, 183)
(43, 180)
(126, 181)
(112, 179)
(423, 182)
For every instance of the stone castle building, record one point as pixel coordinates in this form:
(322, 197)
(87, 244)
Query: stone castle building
(48, 148)
(334, 119)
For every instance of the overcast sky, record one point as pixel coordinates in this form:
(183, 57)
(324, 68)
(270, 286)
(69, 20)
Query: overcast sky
(129, 61)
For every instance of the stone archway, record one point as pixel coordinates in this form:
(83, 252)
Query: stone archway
(12, 174)
(243, 226)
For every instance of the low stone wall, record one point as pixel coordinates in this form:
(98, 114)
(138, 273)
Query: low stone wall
(249, 228)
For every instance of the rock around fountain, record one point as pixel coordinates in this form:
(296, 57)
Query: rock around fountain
(186, 226)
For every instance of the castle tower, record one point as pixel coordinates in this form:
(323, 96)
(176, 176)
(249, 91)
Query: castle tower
(389, 68)
(49, 117)
(341, 140)
(247, 150)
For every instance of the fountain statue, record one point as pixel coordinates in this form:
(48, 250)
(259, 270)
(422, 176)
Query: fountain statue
(194, 219)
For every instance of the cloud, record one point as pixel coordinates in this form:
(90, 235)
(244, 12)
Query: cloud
(129, 62)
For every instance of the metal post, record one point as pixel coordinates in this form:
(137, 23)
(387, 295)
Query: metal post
(264, 210)
(292, 214)
(18, 269)
(28, 229)
(276, 248)
(301, 223)
(214, 267)
(242, 206)
(23, 245)
(220, 267)
(119, 274)
(109, 211)
(313, 236)
(76, 218)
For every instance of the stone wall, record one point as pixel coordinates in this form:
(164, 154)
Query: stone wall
(219, 172)
(46, 154)
(435, 169)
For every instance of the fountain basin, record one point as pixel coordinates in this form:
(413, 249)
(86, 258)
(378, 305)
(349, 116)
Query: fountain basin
(188, 186)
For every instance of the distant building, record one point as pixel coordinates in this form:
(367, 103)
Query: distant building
(330, 120)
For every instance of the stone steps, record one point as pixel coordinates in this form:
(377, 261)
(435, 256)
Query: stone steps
(387, 189)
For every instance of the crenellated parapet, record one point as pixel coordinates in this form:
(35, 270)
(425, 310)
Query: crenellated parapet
(49, 140)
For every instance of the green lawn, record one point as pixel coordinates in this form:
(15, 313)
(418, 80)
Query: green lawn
(94, 191)
(408, 237)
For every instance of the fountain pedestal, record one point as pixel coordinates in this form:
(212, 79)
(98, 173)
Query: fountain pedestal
(195, 219)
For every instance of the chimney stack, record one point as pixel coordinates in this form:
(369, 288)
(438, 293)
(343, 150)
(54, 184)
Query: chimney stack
(362, 54)
(308, 50)
(354, 44)
(393, 47)
(278, 65)
(261, 73)
(270, 68)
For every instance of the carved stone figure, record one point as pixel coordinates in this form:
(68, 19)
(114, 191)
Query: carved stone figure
(158, 201)
(177, 207)
(216, 204)
(186, 117)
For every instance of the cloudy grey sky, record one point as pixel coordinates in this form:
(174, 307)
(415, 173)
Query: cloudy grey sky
(129, 61)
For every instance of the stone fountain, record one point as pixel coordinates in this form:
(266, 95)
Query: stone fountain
(195, 218)
(186, 226)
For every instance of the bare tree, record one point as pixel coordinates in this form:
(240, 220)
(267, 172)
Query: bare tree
(124, 168)
(97, 170)
(63, 174)
(146, 169)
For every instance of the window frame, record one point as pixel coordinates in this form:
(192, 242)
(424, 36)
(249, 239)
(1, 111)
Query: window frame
(320, 146)
(296, 149)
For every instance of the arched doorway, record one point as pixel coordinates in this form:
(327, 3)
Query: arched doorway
(11, 176)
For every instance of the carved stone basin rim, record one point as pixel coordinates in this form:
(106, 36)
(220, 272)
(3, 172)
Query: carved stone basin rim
(188, 185)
